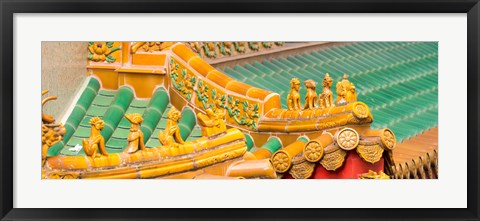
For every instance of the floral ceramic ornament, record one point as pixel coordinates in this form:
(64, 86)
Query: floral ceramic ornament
(101, 51)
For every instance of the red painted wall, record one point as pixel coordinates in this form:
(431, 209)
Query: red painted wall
(352, 167)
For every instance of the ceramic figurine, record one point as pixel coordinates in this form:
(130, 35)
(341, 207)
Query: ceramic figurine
(346, 91)
(311, 96)
(293, 97)
(95, 142)
(135, 137)
(171, 137)
(212, 123)
(326, 97)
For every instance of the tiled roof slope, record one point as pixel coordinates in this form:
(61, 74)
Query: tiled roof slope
(397, 80)
(111, 106)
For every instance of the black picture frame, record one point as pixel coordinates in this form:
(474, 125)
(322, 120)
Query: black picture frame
(9, 8)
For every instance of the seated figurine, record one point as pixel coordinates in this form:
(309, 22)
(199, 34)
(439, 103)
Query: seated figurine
(346, 91)
(311, 96)
(135, 137)
(293, 98)
(96, 141)
(212, 123)
(171, 134)
(326, 97)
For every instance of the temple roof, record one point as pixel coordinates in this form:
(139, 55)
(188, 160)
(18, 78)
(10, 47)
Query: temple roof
(104, 104)
(397, 80)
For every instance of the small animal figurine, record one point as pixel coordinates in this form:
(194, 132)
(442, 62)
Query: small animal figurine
(212, 123)
(96, 141)
(346, 91)
(311, 96)
(135, 137)
(171, 134)
(293, 98)
(326, 97)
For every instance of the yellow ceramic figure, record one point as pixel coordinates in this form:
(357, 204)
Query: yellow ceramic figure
(171, 134)
(293, 99)
(96, 141)
(212, 123)
(49, 138)
(374, 175)
(52, 132)
(135, 137)
(311, 96)
(346, 91)
(326, 97)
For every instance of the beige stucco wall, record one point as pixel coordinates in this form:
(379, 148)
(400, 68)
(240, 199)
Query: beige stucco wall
(63, 73)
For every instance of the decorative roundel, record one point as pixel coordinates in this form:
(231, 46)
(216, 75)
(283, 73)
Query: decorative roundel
(313, 151)
(347, 138)
(281, 162)
(360, 110)
(388, 139)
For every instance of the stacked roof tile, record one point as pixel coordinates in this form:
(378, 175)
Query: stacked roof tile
(397, 80)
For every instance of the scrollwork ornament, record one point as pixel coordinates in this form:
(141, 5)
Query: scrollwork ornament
(334, 158)
(302, 170)
(370, 153)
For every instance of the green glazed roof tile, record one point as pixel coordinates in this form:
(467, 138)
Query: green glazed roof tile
(102, 101)
(121, 133)
(139, 103)
(138, 110)
(96, 111)
(107, 93)
(191, 138)
(114, 150)
(85, 121)
(117, 143)
(124, 123)
(155, 133)
(197, 131)
(153, 143)
(83, 132)
(74, 141)
(162, 123)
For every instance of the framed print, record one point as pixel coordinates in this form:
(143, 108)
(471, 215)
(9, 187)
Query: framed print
(247, 110)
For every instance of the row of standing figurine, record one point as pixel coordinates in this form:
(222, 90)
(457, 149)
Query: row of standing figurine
(345, 93)
(212, 123)
(168, 137)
